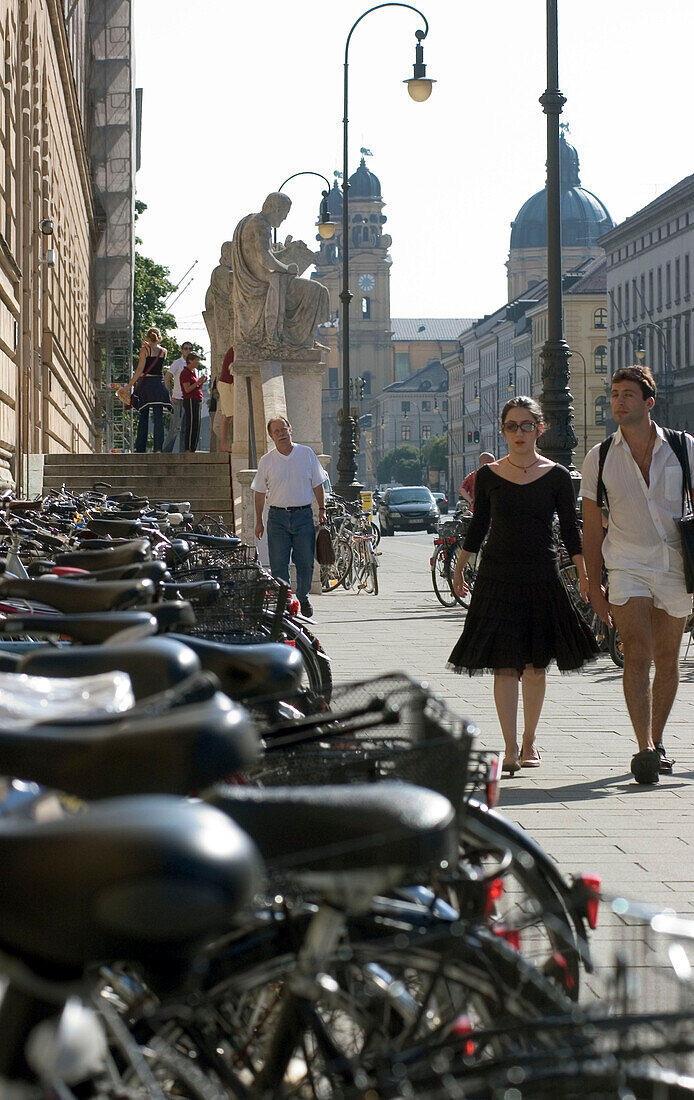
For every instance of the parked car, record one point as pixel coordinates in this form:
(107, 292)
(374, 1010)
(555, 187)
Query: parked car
(408, 508)
(442, 502)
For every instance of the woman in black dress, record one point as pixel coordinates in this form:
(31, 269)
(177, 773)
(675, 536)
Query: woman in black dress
(149, 391)
(520, 617)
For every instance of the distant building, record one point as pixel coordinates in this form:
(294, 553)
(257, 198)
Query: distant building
(649, 305)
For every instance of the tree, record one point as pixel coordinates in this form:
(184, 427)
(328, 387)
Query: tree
(435, 453)
(401, 464)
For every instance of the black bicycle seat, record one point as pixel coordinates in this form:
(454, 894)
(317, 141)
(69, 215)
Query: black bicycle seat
(139, 570)
(248, 672)
(85, 629)
(116, 528)
(135, 878)
(344, 828)
(172, 615)
(95, 558)
(78, 596)
(215, 542)
(152, 664)
(203, 593)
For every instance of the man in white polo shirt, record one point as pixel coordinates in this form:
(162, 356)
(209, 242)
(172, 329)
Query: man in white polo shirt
(287, 480)
(648, 598)
(173, 375)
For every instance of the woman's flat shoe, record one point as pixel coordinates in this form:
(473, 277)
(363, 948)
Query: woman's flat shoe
(531, 760)
(511, 766)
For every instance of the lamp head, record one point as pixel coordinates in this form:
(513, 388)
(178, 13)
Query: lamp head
(419, 85)
(640, 350)
(326, 227)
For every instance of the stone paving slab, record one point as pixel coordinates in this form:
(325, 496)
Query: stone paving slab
(582, 805)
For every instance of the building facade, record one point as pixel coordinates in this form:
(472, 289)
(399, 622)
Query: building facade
(411, 412)
(650, 262)
(51, 220)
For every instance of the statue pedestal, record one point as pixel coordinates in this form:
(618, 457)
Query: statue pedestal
(290, 387)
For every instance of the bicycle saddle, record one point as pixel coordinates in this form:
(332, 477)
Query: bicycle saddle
(171, 615)
(124, 553)
(141, 570)
(178, 752)
(203, 593)
(248, 672)
(85, 629)
(344, 828)
(152, 665)
(215, 542)
(134, 878)
(116, 528)
(77, 596)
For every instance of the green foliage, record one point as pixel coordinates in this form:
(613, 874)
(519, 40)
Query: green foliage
(152, 287)
(401, 464)
(435, 453)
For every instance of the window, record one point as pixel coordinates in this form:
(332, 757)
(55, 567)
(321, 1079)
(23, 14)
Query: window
(677, 279)
(626, 301)
(687, 338)
(332, 381)
(426, 431)
(660, 287)
(404, 406)
(634, 303)
(444, 406)
(668, 296)
(426, 406)
(686, 275)
(643, 296)
(402, 365)
(600, 359)
(650, 290)
(405, 431)
(366, 308)
(601, 410)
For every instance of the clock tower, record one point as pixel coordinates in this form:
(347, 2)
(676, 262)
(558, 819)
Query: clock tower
(371, 351)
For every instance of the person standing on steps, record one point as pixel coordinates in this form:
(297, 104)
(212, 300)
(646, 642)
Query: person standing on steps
(648, 600)
(191, 388)
(172, 379)
(520, 616)
(149, 392)
(288, 478)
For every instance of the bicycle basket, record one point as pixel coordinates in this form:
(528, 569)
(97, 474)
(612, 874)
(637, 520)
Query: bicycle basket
(390, 727)
(238, 611)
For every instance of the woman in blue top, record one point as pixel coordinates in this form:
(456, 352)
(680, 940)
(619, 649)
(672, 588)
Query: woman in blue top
(149, 391)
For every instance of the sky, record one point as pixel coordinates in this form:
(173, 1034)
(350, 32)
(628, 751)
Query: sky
(237, 96)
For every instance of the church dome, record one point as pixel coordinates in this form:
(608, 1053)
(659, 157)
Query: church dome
(584, 218)
(335, 200)
(363, 184)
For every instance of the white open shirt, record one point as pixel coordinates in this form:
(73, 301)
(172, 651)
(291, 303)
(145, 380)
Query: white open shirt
(642, 534)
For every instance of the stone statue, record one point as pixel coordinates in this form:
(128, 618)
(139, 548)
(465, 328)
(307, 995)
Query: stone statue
(275, 313)
(217, 315)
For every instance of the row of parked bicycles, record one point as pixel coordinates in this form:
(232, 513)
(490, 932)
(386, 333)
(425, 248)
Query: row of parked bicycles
(222, 878)
(448, 542)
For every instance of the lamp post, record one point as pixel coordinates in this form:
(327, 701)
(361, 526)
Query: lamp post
(560, 439)
(326, 227)
(514, 386)
(585, 399)
(667, 373)
(419, 87)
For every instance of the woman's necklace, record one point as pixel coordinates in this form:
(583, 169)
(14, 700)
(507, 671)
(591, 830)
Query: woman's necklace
(517, 467)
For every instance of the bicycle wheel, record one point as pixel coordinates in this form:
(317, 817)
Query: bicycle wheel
(469, 574)
(616, 646)
(318, 675)
(332, 576)
(367, 570)
(440, 577)
(533, 910)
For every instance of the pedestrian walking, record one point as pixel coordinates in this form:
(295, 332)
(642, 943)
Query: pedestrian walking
(641, 483)
(225, 388)
(191, 388)
(172, 380)
(467, 487)
(520, 616)
(288, 478)
(149, 392)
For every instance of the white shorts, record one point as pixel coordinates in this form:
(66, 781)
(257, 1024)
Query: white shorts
(226, 398)
(667, 590)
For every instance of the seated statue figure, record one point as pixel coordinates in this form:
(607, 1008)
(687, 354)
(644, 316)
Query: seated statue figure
(275, 312)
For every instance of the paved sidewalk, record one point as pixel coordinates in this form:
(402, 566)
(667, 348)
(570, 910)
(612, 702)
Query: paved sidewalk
(582, 805)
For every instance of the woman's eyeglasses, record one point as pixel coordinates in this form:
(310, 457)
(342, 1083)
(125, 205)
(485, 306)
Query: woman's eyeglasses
(526, 426)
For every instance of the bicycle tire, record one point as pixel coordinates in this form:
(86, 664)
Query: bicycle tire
(443, 589)
(535, 902)
(615, 646)
(367, 572)
(317, 668)
(469, 575)
(332, 576)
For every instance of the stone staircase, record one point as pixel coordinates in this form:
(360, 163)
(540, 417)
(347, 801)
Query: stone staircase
(202, 478)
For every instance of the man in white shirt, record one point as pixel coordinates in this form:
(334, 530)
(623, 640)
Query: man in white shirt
(287, 480)
(172, 377)
(648, 599)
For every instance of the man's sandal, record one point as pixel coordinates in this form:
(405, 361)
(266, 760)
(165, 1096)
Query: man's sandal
(665, 763)
(645, 766)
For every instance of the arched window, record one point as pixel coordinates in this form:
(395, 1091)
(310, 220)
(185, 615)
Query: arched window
(600, 359)
(601, 404)
(600, 318)
(366, 308)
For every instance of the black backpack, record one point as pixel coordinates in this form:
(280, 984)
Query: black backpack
(677, 441)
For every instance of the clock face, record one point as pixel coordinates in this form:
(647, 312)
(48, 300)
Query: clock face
(366, 282)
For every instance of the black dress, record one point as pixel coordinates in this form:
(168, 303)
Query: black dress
(520, 613)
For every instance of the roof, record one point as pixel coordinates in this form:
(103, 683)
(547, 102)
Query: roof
(429, 328)
(681, 190)
(433, 378)
(363, 184)
(594, 281)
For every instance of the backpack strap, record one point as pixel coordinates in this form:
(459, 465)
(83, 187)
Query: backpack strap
(678, 443)
(602, 455)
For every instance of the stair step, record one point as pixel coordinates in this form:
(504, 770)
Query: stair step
(125, 460)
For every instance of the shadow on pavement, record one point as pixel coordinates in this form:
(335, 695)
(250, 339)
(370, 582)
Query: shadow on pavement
(583, 789)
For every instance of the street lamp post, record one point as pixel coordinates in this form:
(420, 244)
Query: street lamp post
(419, 87)
(667, 373)
(585, 399)
(326, 227)
(528, 373)
(560, 439)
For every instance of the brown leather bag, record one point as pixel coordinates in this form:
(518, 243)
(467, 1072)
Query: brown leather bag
(325, 555)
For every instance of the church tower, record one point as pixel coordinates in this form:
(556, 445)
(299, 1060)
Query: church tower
(371, 352)
(584, 219)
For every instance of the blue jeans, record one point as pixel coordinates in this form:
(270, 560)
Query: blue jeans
(175, 428)
(143, 428)
(292, 534)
